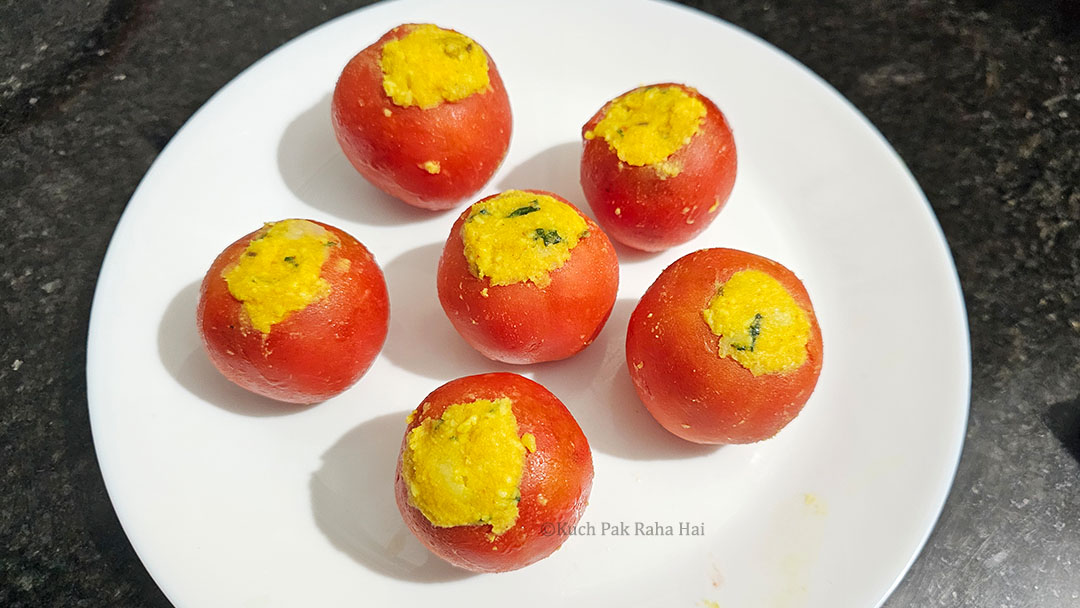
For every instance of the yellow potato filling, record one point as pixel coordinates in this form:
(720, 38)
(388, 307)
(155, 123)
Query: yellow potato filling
(430, 65)
(647, 125)
(759, 324)
(280, 271)
(464, 468)
(520, 236)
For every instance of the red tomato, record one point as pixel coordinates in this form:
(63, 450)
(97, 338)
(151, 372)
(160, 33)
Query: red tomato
(523, 322)
(433, 157)
(554, 485)
(674, 361)
(645, 206)
(315, 351)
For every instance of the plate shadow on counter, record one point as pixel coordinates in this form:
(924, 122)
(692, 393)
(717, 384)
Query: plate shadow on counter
(1063, 420)
(185, 358)
(352, 500)
(316, 171)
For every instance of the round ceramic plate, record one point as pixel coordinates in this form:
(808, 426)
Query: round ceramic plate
(233, 500)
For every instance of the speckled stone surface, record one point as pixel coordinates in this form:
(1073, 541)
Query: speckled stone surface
(981, 99)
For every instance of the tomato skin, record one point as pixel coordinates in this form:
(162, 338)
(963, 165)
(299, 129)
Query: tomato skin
(561, 469)
(683, 381)
(468, 138)
(523, 323)
(650, 214)
(313, 353)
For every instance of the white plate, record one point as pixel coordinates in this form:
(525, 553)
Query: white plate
(234, 501)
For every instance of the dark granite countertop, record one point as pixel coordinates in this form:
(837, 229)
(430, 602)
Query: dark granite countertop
(980, 98)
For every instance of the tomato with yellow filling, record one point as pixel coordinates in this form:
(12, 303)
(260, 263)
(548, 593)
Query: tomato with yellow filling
(658, 164)
(493, 471)
(525, 277)
(423, 115)
(296, 311)
(724, 347)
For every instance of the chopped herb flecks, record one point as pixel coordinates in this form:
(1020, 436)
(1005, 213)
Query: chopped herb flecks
(292, 260)
(755, 331)
(550, 237)
(533, 206)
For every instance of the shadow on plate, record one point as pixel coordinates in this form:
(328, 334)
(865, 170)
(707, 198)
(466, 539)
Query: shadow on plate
(315, 169)
(555, 169)
(183, 355)
(596, 387)
(421, 338)
(352, 499)
(629, 254)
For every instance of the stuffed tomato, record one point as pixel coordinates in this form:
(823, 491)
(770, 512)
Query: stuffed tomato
(658, 164)
(493, 471)
(525, 277)
(423, 115)
(296, 311)
(724, 347)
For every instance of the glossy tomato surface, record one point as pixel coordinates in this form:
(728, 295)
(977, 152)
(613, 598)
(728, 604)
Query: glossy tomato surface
(555, 482)
(389, 144)
(673, 358)
(646, 210)
(524, 323)
(313, 353)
